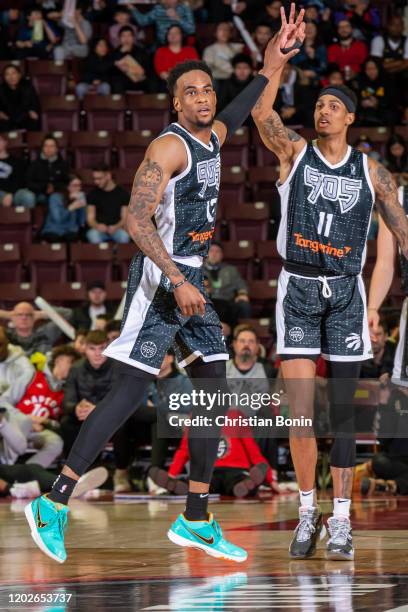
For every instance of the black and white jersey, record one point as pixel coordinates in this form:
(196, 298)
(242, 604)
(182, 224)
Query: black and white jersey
(326, 210)
(185, 217)
(403, 198)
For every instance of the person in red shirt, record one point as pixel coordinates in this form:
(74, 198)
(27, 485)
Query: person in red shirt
(349, 54)
(239, 470)
(173, 53)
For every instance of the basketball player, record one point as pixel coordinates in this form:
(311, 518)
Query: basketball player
(177, 184)
(327, 190)
(381, 281)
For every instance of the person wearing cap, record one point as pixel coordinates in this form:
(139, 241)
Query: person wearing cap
(327, 190)
(84, 317)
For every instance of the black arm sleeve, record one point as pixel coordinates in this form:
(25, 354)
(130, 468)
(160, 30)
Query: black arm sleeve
(234, 115)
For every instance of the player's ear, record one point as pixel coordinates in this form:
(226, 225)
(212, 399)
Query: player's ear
(177, 104)
(350, 118)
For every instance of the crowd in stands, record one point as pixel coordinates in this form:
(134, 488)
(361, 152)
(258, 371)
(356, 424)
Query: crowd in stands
(48, 384)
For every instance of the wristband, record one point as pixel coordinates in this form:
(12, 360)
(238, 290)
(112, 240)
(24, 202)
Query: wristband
(177, 285)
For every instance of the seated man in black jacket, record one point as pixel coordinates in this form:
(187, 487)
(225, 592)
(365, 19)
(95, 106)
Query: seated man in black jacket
(88, 382)
(12, 172)
(84, 317)
(49, 173)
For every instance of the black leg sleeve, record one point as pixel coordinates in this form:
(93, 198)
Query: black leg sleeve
(203, 450)
(118, 405)
(342, 386)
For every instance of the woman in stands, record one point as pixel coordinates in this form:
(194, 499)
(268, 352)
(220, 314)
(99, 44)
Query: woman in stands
(66, 213)
(173, 53)
(97, 72)
(19, 103)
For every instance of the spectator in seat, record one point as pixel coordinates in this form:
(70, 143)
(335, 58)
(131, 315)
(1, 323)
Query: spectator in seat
(271, 15)
(312, 57)
(121, 17)
(242, 75)
(261, 36)
(13, 441)
(97, 71)
(37, 38)
(113, 329)
(19, 103)
(79, 342)
(396, 157)
(66, 214)
(365, 20)
(12, 184)
(219, 55)
(163, 15)
(294, 98)
(16, 371)
(375, 97)
(106, 211)
(349, 54)
(49, 173)
(89, 380)
(381, 364)
(227, 288)
(173, 53)
(85, 316)
(131, 65)
(334, 77)
(393, 47)
(77, 34)
(32, 340)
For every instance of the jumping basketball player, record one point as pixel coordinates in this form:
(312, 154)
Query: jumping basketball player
(177, 184)
(380, 284)
(327, 190)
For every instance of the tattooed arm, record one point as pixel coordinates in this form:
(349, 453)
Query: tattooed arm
(390, 209)
(164, 158)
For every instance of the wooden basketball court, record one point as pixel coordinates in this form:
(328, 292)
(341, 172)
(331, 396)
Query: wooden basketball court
(119, 558)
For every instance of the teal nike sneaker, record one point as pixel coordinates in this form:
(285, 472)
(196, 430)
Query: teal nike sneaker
(207, 536)
(48, 522)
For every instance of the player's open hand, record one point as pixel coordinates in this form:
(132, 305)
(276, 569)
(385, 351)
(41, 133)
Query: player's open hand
(286, 43)
(190, 300)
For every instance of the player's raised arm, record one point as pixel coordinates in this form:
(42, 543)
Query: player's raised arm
(285, 143)
(388, 205)
(290, 37)
(164, 158)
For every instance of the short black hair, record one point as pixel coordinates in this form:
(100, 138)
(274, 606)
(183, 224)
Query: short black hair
(113, 325)
(101, 167)
(183, 68)
(65, 350)
(241, 58)
(126, 28)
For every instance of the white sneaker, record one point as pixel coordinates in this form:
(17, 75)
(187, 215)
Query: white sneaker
(25, 490)
(89, 481)
(154, 489)
(121, 482)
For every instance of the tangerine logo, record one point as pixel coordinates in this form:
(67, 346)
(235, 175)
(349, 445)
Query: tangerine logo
(201, 236)
(316, 246)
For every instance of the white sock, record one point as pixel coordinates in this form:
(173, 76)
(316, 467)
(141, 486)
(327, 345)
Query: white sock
(341, 507)
(307, 498)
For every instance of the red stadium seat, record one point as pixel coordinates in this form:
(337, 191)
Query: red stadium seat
(86, 176)
(91, 148)
(124, 177)
(124, 254)
(247, 221)
(115, 291)
(60, 113)
(402, 130)
(271, 261)
(49, 78)
(12, 293)
(149, 111)
(262, 295)
(105, 112)
(240, 254)
(131, 147)
(63, 293)
(92, 261)
(263, 156)
(47, 263)
(233, 184)
(35, 140)
(10, 263)
(16, 144)
(15, 225)
(378, 135)
(236, 150)
(263, 183)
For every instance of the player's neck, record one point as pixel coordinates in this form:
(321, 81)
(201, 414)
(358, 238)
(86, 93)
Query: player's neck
(202, 134)
(333, 148)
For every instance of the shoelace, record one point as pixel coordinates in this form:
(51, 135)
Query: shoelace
(327, 292)
(306, 528)
(339, 531)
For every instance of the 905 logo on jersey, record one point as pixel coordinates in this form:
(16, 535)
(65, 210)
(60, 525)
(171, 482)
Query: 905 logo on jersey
(208, 173)
(334, 188)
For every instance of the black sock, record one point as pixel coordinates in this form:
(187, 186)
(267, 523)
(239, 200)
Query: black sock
(196, 507)
(62, 489)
